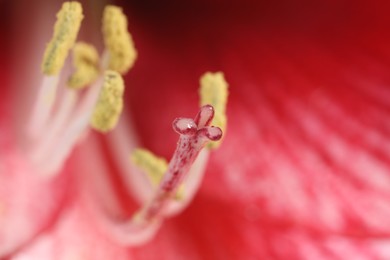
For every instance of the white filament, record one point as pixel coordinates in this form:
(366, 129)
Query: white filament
(43, 106)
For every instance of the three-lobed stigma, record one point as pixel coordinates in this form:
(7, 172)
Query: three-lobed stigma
(194, 135)
(110, 102)
(65, 33)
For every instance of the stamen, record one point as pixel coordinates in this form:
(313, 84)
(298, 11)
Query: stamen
(99, 105)
(193, 138)
(118, 41)
(72, 130)
(110, 103)
(214, 91)
(66, 29)
(86, 63)
(42, 149)
(154, 167)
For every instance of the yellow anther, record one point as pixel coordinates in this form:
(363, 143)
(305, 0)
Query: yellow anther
(110, 102)
(117, 39)
(66, 29)
(86, 62)
(154, 167)
(214, 91)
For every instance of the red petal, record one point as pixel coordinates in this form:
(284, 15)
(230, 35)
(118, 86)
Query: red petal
(304, 169)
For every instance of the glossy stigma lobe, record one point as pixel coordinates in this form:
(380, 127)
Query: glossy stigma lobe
(184, 126)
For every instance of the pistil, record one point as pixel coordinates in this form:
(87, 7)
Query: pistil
(194, 134)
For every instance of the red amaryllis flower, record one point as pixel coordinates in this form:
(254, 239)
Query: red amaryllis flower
(303, 171)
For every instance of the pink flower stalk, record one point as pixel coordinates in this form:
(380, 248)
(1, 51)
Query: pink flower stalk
(303, 170)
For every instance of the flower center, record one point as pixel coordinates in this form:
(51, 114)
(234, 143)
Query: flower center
(93, 96)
